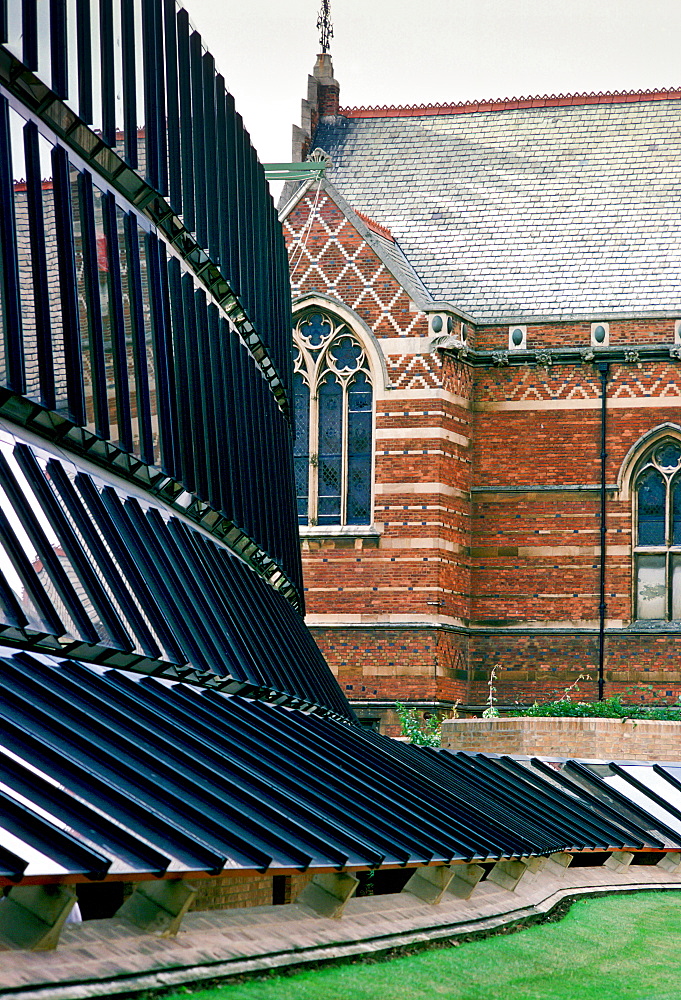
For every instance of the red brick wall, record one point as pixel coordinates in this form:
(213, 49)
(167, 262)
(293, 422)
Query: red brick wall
(485, 547)
(230, 892)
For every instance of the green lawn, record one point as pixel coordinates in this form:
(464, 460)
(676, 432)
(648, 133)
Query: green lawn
(607, 949)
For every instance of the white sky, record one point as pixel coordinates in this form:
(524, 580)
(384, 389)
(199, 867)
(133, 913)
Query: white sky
(434, 51)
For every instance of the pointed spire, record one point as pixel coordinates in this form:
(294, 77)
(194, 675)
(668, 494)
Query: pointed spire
(325, 26)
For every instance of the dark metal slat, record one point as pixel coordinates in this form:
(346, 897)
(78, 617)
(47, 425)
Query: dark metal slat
(118, 636)
(49, 558)
(68, 285)
(9, 273)
(116, 582)
(106, 512)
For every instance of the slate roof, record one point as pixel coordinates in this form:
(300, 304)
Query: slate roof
(524, 213)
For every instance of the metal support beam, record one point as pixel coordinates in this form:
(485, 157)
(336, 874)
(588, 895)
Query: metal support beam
(32, 916)
(158, 907)
(328, 895)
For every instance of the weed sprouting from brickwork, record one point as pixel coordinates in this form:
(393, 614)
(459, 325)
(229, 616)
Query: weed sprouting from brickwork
(422, 734)
(492, 712)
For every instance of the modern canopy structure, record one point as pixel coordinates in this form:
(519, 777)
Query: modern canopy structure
(165, 712)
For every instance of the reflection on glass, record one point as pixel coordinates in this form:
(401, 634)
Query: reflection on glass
(127, 289)
(52, 263)
(651, 592)
(330, 450)
(359, 450)
(651, 504)
(83, 312)
(21, 215)
(103, 279)
(149, 343)
(301, 458)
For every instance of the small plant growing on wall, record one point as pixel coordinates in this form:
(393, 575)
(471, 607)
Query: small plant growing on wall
(424, 733)
(492, 712)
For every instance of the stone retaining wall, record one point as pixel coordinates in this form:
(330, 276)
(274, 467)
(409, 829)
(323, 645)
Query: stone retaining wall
(606, 739)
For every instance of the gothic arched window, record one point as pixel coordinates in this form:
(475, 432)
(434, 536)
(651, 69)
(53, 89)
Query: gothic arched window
(334, 421)
(657, 533)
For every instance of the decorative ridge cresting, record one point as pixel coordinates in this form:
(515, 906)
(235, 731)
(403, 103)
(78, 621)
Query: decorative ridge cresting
(374, 226)
(512, 103)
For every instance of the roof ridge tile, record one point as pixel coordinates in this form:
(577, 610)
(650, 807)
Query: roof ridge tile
(374, 226)
(512, 103)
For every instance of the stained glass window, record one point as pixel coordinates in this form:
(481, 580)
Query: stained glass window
(658, 534)
(334, 423)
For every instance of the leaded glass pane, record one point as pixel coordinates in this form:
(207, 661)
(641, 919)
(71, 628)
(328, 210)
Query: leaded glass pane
(651, 591)
(301, 458)
(330, 451)
(359, 450)
(676, 512)
(651, 508)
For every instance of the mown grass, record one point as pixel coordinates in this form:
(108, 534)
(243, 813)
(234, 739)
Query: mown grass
(616, 948)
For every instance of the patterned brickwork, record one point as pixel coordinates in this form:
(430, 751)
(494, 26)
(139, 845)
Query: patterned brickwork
(328, 255)
(486, 501)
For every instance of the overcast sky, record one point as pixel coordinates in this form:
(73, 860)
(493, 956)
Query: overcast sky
(434, 51)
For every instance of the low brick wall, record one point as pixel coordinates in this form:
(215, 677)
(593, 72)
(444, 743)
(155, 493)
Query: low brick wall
(605, 739)
(253, 890)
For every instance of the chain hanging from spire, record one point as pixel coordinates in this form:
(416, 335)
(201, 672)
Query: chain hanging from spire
(325, 26)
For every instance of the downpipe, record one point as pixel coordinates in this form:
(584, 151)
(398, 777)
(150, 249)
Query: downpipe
(603, 371)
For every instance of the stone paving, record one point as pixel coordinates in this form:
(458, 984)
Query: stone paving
(105, 957)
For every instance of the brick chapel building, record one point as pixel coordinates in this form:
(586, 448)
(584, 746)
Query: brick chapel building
(487, 313)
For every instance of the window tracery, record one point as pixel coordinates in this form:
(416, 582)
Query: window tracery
(657, 533)
(334, 422)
